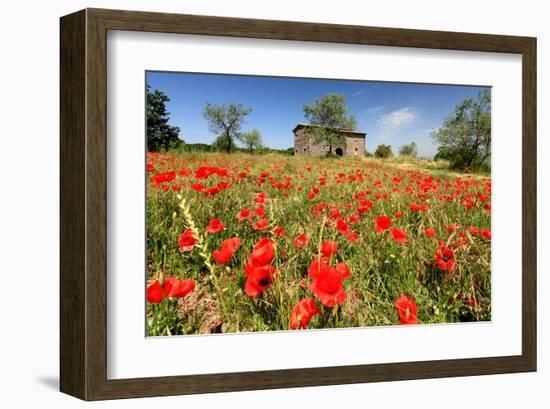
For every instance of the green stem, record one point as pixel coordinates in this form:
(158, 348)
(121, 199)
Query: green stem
(205, 254)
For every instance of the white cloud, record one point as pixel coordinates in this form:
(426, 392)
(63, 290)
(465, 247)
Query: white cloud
(375, 110)
(364, 91)
(396, 119)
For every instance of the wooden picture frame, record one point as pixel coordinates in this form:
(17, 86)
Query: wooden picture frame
(83, 231)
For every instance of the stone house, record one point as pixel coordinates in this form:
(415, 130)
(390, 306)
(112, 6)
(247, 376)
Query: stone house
(304, 144)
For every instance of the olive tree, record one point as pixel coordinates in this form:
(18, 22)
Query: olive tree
(328, 114)
(251, 139)
(225, 121)
(465, 137)
(383, 151)
(408, 149)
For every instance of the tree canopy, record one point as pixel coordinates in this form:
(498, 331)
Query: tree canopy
(225, 121)
(329, 113)
(251, 139)
(409, 149)
(383, 151)
(160, 134)
(465, 137)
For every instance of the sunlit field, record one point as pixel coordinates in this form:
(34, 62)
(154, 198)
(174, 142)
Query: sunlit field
(241, 243)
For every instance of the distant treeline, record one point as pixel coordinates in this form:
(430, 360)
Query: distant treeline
(203, 147)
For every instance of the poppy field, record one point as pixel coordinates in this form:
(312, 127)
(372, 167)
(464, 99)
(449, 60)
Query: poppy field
(244, 243)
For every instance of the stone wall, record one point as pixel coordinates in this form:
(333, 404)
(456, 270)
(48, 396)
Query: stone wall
(303, 145)
(355, 146)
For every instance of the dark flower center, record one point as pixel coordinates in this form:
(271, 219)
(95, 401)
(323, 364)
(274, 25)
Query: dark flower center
(264, 281)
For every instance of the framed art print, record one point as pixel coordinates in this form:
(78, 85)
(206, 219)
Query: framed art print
(279, 204)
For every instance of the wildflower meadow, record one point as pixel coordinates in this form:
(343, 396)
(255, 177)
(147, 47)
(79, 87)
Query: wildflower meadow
(244, 242)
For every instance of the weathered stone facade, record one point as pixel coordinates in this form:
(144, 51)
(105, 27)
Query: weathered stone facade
(304, 145)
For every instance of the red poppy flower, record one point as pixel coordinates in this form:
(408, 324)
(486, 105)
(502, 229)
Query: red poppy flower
(203, 172)
(261, 224)
(407, 310)
(163, 177)
(482, 197)
(260, 211)
(328, 248)
(258, 279)
(262, 253)
(352, 236)
(233, 243)
(279, 231)
(474, 231)
(173, 287)
(229, 247)
(334, 213)
(383, 223)
(149, 167)
(468, 204)
(302, 313)
(301, 241)
(430, 232)
(222, 256)
(364, 206)
(418, 207)
(244, 214)
(215, 226)
(342, 226)
(187, 240)
(399, 236)
(211, 191)
(317, 265)
(398, 215)
(197, 187)
(444, 257)
(327, 286)
(260, 198)
(486, 233)
(154, 293)
(223, 185)
(343, 271)
(472, 303)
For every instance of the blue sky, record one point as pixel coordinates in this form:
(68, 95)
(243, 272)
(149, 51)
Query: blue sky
(390, 113)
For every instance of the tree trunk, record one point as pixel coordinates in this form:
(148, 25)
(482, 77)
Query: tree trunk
(228, 147)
